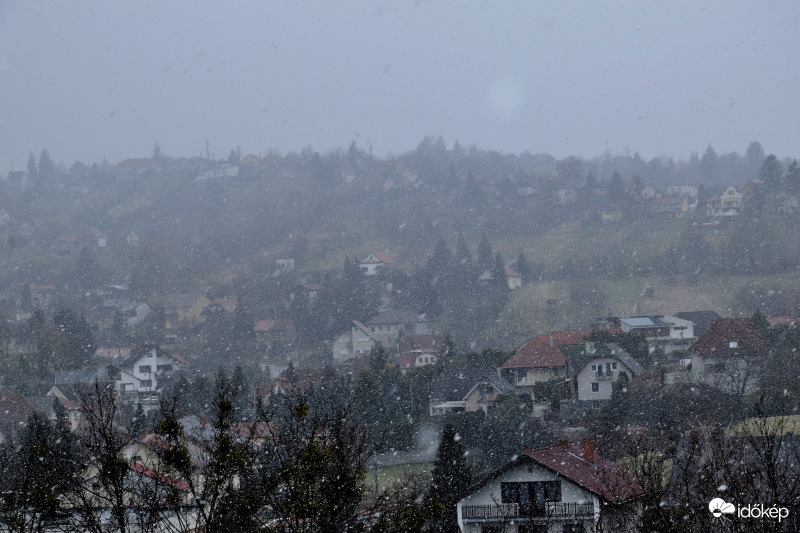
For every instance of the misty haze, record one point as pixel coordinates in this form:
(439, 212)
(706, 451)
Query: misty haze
(421, 267)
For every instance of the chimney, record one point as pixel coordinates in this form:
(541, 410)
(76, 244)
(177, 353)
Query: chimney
(588, 450)
(564, 444)
(551, 339)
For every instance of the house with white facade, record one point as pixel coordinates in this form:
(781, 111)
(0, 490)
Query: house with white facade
(565, 488)
(388, 326)
(669, 333)
(358, 340)
(375, 261)
(605, 365)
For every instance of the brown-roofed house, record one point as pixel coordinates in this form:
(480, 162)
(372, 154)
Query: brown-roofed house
(566, 487)
(542, 358)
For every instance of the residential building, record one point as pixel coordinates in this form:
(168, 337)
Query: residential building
(605, 364)
(466, 390)
(375, 261)
(181, 310)
(387, 327)
(542, 359)
(661, 331)
(358, 340)
(563, 488)
(701, 319)
(727, 356)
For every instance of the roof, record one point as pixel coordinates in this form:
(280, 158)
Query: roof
(540, 352)
(701, 319)
(313, 286)
(272, 325)
(152, 474)
(364, 329)
(610, 349)
(783, 321)
(421, 343)
(717, 340)
(70, 377)
(602, 477)
(511, 273)
(537, 353)
(454, 385)
(381, 258)
(228, 304)
(396, 316)
(645, 321)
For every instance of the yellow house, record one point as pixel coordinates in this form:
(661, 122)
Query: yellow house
(183, 309)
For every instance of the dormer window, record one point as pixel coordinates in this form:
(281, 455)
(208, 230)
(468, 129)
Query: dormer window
(733, 344)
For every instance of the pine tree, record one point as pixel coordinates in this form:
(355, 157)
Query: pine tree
(33, 171)
(451, 476)
(484, 254)
(523, 268)
(759, 322)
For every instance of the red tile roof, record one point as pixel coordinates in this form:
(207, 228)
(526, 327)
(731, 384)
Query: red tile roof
(152, 474)
(511, 273)
(269, 325)
(540, 352)
(601, 477)
(717, 340)
(383, 258)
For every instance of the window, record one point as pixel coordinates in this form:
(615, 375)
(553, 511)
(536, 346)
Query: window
(595, 387)
(594, 368)
(144, 369)
(614, 366)
(145, 383)
(532, 497)
(164, 368)
(733, 344)
(608, 369)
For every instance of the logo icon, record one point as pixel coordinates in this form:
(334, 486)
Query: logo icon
(719, 507)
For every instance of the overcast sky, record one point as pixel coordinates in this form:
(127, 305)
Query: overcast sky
(95, 79)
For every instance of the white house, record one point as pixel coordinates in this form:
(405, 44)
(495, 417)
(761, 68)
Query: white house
(606, 364)
(358, 340)
(669, 333)
(374, 262)
(147, 366)
(565, 488)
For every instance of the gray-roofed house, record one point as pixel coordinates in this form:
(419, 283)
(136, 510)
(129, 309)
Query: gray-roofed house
(358, 340)
(669, 333)
(466, 390)
(701, 319)
(388, 325)
(603, 365)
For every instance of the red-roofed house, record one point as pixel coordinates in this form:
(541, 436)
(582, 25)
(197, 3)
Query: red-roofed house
(373, 262)
(565, 487)
(541, 359)
(727, 356)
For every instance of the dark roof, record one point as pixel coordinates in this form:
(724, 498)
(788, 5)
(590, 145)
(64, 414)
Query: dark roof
(717, 340)
(421, 343)
(612, 350)
(70, 377)
(454, 385)
(600, 477)
(396, 316)
(701, 319)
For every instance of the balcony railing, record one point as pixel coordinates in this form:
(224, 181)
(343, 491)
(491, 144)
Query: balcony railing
(504, 511)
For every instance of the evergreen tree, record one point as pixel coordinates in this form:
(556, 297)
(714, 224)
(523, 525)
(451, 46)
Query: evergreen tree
(771, 173)
(523, 268)
(484, 254)
(759, 322)
(792, 178)
(47, 168)
(78, 348)
(463, 255)
(33, 171)
(451, 476)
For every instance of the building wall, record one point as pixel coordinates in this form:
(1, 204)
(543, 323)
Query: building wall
(587, 376)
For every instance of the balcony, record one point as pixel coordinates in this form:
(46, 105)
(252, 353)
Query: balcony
(507, 511)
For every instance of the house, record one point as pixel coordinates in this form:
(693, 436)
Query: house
(374, 262)
(42, 295)
(727, 356)
(415, 351)
(647, 192)
(671, 206)
(357, 341)
(67, 391)
(604, 365)
(296, 380)
(466, 390)
(541, 359)
(148, 365)
(661, 331)
(513, 278)
(562, 488)
(701, 319)
(183, 309)
(728, 204)
(682, 190)
(284, 265)
(390, 325)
